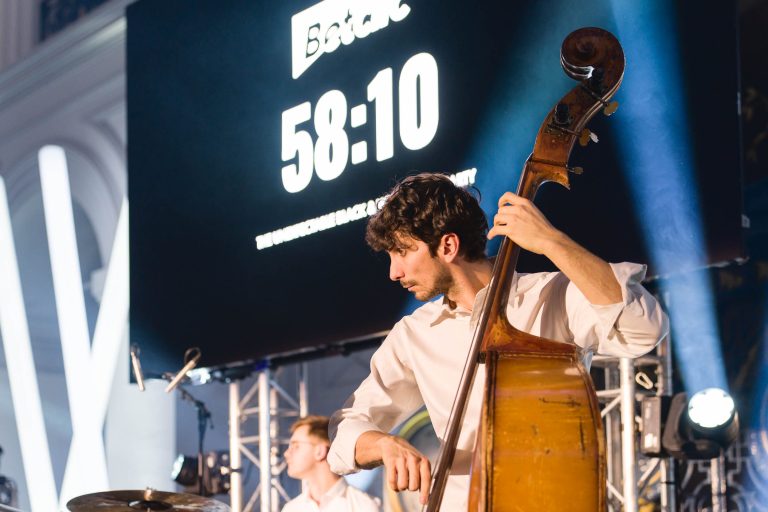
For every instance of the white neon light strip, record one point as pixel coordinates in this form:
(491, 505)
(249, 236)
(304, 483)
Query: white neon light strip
(105, 353)
(113, 318)
(21, 372)
(86, 469)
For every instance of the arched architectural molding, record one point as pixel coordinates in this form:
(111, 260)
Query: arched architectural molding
(92, 189)
(71, 91)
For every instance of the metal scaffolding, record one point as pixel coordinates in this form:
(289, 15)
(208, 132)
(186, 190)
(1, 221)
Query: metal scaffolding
(626, 382)
(269, 402)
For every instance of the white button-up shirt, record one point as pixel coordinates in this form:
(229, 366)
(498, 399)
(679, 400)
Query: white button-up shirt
(339, 498)
(421, 360)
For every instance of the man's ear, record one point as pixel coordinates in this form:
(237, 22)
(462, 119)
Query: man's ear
(321, 452)
(449, 247)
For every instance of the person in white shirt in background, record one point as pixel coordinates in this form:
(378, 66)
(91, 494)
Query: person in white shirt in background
(324, 490)
(435, 235)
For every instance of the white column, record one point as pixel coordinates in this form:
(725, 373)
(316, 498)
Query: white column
(303, 389)
(265, 441)
(140, 432)
(19, 29)
(628, 460)
(235, 459)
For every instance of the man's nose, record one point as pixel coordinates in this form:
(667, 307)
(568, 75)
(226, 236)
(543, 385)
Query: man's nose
(395, 271)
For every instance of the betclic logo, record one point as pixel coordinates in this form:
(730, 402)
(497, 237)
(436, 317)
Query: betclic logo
(327, 25)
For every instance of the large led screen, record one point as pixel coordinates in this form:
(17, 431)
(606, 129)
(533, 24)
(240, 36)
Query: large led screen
(263, 134)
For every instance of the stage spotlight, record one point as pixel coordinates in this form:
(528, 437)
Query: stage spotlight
(711, 408)
(184, 470)
(702, 427)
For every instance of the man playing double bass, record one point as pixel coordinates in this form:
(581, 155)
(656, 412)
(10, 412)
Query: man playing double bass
(435, 235)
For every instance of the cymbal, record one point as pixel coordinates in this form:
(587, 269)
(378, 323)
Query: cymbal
(148, 500)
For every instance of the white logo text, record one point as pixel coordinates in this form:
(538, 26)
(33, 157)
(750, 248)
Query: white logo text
(325, 26)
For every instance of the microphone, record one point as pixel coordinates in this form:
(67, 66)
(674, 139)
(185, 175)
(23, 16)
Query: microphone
(191, 357)
(136, 364)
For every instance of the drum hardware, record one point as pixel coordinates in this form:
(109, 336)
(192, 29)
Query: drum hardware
(191, 358)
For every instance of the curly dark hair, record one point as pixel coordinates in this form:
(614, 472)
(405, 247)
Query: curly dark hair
(425, 207)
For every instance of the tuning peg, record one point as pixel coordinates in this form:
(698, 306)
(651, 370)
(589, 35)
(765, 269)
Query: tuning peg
(610, 108)
(586, 135)
(576, 170)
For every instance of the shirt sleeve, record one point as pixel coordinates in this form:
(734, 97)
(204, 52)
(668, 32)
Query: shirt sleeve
(382, 401)
(630, 328)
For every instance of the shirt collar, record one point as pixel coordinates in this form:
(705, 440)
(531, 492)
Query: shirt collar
(445, 309)
(448, 309)
(338, 489)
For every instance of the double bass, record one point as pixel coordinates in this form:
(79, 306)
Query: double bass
(540, 443)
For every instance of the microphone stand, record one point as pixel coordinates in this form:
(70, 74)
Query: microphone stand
(203, 417)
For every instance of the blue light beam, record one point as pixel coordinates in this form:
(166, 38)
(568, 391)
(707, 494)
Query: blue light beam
(653, 137)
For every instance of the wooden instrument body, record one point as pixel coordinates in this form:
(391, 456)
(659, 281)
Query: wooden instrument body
(540, 441)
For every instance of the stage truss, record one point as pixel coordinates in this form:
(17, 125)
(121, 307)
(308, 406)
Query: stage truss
(631, 478)
(268, 401)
